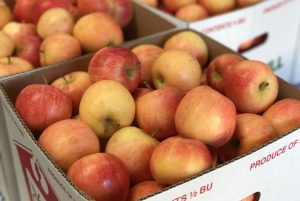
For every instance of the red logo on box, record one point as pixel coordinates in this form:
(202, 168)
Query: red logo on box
(37, 184)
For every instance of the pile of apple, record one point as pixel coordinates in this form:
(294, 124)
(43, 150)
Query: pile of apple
(38, 33)
(144, 118)
(194, 10)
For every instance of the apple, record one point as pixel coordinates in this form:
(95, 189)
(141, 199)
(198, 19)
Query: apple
(174, 5)
(252, 197)
(97, 30)
(215, 7)
(191, 13)
(251, 85)
(163, 103)
(12, 65)
(251, 132)
(23, 10)
(19, 30)
(284, 115)
(190, 42)
(28, 48)
(122, 11)
(245, 3)
(169, 160)
(116, 63)
(139, 92)
(152, 3)
(59, 47)
(134, 147)
(207, 115)
(101, 176)
(7, 45)
(143, 189)
(87, 6)
(218, 67)
(67, 141)
(147, 54)
(74, 84)
(40, 6)
(55, 20)
(176, 68)
(116, 107)
(5, 15)
(41, 105)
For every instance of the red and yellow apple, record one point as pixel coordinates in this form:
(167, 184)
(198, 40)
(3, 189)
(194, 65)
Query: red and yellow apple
(215, 7)
(7, 45)
(5, 15)
(12, 65)
(143, 189)
(191, 13)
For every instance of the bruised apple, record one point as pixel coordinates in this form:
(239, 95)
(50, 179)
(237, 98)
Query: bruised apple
(67, 141)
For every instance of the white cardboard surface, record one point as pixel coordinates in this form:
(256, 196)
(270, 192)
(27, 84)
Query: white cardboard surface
(296, 72)
(3, 187)
(277, 18)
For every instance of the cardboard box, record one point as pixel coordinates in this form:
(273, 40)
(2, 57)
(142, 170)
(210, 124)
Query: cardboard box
(3, 188)
(296, 71)
(269, 26)
(39, 177)
(143, 24)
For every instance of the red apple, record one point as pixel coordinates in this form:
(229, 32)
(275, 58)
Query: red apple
(40, 6)
(174, 5)
(251, 85)
(284, 115)
(13, 65)
(191, 42)
(252, 197)
(23, 10)
(5, 15)
(134, 147)
(205, 114)
(55, 20)
(122, 11)
(7, 45)
(19, 30)
(67, 141)
(176, 68)
(116, 63)
(218, 67)
(97, 30)
(169, 160)
(163, 103)
(101, 176)
(116, 103)
(139, 92)
(88, 6)
(41, 105)
(215, 7)
(59, 47)
(245, 3)
(147, 54)
(251, 132)
(143, 189)
(74, 84)
(191, 13)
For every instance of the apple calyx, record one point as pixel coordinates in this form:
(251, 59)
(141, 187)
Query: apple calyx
(110, 124)
(217, 75)
(263, 85)
(161, 78)
(131, 72)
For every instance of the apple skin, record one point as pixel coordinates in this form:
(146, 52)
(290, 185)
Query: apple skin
(13, 65)
(100, 30)
(116, 107)
(161, 121)
(134, 147)
(174, 5)
(191, 13)
(59, 47)
(88, 6)
(5, 15)
(74, 84)
(101, 176)
(183, 72)
(116, 63)
(7, 45)
(143, 189)
(18, 30)
(245, 3)
(207, 115)
(147, 54)
(50, 105)
(284, 115)
(215, 7)
(139, 92)
(252, 197)
(251, 132)
(152, 3)
(251, 85)
(67, 141)
(191, 42)
(218, 67)
(169, 160)
(122, 11)
(22, 10)
(55, 20)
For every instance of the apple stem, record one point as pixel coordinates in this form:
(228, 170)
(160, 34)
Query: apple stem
(9, 59)
(45, 80)
(147, 85)
(66, 80)
(156, 131)
(263, 85)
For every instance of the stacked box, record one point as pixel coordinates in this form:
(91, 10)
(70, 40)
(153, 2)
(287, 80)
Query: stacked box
(37, 176)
